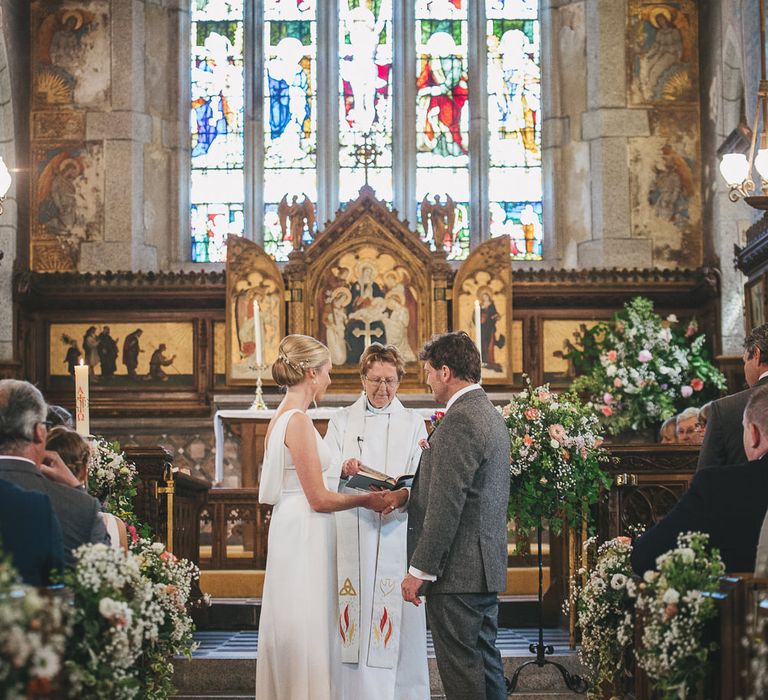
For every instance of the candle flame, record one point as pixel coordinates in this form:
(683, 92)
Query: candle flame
(82, 364)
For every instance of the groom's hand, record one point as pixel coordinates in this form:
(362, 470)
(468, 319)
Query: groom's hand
(410, 588)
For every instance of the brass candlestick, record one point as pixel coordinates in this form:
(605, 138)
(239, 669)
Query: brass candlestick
(258, 401)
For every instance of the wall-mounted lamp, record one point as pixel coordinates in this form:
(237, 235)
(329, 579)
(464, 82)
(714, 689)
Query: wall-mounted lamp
(5, 182)
(736, 168)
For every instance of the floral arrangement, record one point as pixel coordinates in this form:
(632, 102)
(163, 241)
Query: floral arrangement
(171, 579)
(640, 369)
(555, 458)
(130, 619)
(674, 607)
(33, 633)
(605, 615)
(112, 478)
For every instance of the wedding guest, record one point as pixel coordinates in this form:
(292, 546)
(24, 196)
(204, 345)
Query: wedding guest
(728, 503)
(704, 412)
(298, 644)
(668, 431)
(378, 431)
(75, 452)
(722, 442)
(25, 462)
(30, 533)
(58, 415)
(687, 429)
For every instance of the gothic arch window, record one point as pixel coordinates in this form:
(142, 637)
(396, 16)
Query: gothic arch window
(284, 93)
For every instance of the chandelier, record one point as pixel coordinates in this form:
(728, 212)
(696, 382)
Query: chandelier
(736, 168)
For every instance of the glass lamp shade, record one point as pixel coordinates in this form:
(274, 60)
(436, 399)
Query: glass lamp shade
(5, 178)
(734, 167)
(761, 163)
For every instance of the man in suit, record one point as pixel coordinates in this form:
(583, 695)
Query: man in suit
(722, 438)
(25, 462)
(457, 523)
(30, 533)
(729, 503)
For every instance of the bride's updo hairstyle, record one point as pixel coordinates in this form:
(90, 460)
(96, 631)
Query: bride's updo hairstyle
(297, 354)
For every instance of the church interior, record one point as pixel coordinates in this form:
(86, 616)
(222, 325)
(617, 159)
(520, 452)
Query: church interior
(185, 182)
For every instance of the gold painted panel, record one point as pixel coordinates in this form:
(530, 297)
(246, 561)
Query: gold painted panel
(219, 348)
(516, 344)
(555, 333)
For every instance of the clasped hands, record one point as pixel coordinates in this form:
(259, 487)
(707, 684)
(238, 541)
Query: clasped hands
(381, 501)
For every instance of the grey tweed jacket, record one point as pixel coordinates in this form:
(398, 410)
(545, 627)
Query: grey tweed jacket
(457, 512)
(78, 512)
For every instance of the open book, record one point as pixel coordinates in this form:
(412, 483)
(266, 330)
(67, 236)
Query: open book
(367, 478)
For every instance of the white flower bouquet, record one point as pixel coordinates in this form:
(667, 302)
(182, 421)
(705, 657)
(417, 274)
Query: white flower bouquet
(605, 615)
(112, 478)
(33, 633)
(674, 608)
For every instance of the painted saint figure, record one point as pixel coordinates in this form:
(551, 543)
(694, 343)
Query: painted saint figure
(108, 352)
(488, 337)
(157, 362)
(293, 218)
(362, 329)
(73, 356)
(441, 216)
(131, 350)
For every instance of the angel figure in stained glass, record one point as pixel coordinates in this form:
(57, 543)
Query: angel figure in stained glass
(360, 67)
(442, 92)
(294, 217)
(442, 218)
(289, 107)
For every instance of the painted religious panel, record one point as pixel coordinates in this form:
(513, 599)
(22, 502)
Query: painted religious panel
(558, 334)
(482, 306)
(367, 296)
(663, 52)
(252, 278)
(137, 355)
(71, 54)
(67, 204)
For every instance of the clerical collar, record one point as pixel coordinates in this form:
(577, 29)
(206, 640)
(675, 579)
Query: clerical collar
(370, 408)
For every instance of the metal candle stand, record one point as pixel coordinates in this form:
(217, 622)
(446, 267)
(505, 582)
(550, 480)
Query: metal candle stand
(258, 402)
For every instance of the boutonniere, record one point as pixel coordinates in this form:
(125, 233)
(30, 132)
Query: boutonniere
(436, 418)
(424, 444)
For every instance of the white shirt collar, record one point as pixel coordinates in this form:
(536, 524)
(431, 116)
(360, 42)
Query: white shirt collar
(764, 374)
(461, 392)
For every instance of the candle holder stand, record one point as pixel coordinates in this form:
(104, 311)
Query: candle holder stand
(258, 401)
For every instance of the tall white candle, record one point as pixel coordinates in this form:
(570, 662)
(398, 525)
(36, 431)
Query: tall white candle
(478, 336)
(82, 419)
(257, 333)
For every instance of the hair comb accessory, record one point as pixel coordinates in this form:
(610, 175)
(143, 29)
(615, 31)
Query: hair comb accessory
(297, 366)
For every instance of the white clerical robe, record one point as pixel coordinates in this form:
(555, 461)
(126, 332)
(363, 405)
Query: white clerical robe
(386, 440)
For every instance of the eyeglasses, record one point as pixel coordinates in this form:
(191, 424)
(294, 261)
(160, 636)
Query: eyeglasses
(389, 383)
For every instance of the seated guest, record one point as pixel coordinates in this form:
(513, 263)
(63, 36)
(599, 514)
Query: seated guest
(75, 452)
(58, 415)
(668, 431)
(729, 503)
(704, 416)
(25, 462)
(687, 427)
(30, 533)
(722, 439)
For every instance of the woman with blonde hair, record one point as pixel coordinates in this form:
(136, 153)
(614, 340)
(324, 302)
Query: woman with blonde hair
(297, 653)
(75, 452)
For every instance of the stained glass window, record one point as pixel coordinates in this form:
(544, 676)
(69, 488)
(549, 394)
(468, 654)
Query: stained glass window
(290, 122)
(216, 123)
(442, 124)
(365, 94)
(514, 119)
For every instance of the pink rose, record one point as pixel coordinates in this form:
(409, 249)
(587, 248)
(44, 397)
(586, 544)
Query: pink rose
(644, 356)
(566, 455)
(557, 432)
(607, 398)
(544, 395)
(697, 384)
(692, 329)
(527, 440)
(532, 413)
(686, 391)
(612, 355)
(618, 383)
(607, 411)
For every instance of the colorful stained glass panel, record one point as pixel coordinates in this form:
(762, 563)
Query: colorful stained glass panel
(290, 119)
(514, 119)
(216, 127)
(365, 94)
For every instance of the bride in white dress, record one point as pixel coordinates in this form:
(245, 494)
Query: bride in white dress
(296, 658)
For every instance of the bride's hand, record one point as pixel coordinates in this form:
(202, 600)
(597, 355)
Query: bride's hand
(350, 467)
(378, 501)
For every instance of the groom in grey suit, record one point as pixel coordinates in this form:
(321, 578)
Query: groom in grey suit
(457, 523)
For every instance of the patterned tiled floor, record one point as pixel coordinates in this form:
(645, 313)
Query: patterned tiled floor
(242, 645)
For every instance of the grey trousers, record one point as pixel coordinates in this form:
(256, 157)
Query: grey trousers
(464, 628)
